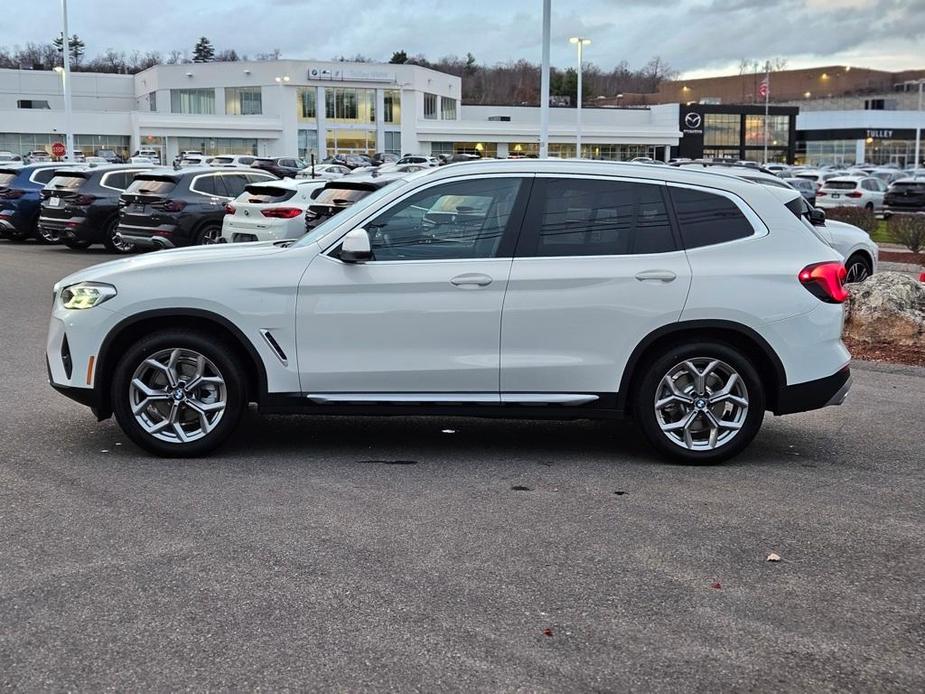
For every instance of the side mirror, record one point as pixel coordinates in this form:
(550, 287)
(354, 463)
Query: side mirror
(816, 217)
(355, 247)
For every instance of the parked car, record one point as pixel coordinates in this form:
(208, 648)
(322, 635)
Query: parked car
(38, 156)
(166, 208)
(96, 161)
(326, 172)
(384, 158)
(351, 161)
(782, 170)
(419, 159)
(188, 154)
(805, 186)
(281, 167)
(852, 191)
(271, 211)
(906, 194)
(191, 161)
(109, 155)
(80, 205)
(818, 177)
(152, 154)
(245, 161)
(10, 158)
(21, 197)
(599, 319)
(338, 195)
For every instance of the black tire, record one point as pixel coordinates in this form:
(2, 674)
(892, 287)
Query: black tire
(209, 234)
(48, 237)
(869, 206)
(109, 238)
(858, 267)
(649, 388)
(77, 244)
(222, 362)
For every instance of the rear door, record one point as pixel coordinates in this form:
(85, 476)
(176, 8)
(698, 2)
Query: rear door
(597, 268)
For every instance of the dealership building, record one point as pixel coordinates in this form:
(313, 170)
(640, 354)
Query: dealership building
(284, 107)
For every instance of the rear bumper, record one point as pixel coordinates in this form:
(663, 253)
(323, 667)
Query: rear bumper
(813, 395)
(148, 238)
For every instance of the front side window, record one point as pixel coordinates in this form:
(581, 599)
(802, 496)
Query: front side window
(579, 217)
(707, 218)
(458, 220)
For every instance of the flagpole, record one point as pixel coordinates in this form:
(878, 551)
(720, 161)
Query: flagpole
(767, 94)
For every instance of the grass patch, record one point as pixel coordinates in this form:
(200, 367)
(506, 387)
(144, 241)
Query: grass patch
(882, 233)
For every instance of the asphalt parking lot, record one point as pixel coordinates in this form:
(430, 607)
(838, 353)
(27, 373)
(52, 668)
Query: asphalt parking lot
(414, 554)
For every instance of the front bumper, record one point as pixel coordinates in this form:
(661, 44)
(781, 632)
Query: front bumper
(813, 395)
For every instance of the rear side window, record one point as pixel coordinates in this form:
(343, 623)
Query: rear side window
(118, 179)
(259, 177)
(67, 182)
(580, 217)
(208, 185)
(151, 186)
(264, 194)
(43, 175)
(706, 218)
(234, 184)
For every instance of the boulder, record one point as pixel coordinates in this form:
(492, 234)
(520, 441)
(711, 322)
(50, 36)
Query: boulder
(887, 308)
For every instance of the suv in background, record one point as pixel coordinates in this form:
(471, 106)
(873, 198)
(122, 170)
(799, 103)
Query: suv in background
(691, 301)
(341, 193)
(21, 197)
(10, 158)
(852, 191)
(109, 155)
(271, 211)
(38, 156)
(906, 194)
(234, 160)
(80, 205)
(806, 187)
(281, 167)
(163, 208)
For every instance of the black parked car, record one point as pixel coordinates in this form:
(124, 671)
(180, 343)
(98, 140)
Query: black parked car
(80, 205)
(163, 208)
(110, 156)
(905, 194)
(341, 193)
(280, 167)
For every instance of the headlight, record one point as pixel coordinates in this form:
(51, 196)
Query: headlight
(86, 295)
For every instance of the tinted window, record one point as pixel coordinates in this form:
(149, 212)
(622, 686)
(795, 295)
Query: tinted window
(287, 162)
(234, 184)
(592, 217)
(259, 178)
(43, 175)
(464, 219)
(118, 179)
(67, 182)
(707, 218)
(210, 185)
(151, 186)
(264, 194)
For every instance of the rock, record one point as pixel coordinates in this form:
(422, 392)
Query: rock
(887, 308)
(773, 557)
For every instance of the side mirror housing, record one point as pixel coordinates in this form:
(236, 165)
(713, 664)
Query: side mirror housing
(355, 247)
(817, 217)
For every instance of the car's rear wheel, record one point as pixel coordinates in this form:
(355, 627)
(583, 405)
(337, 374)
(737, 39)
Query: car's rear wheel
(178, 393)
(858, 268)
(699, 403)
(869, 206)
(113, 240)
(208, 234)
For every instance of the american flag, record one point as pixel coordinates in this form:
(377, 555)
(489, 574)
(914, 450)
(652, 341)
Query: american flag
(765, 87)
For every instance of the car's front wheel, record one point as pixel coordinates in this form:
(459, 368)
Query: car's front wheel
(178, 393)
(699, 403)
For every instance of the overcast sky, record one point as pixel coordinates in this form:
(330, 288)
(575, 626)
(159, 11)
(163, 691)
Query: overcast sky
(696, 37)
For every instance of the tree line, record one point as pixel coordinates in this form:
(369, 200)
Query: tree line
(511, 83)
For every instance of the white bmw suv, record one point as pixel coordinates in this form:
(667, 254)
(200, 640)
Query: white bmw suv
(691, 301)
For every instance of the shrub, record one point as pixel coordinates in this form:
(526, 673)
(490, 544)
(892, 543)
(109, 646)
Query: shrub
(909, 230)
(858, 216)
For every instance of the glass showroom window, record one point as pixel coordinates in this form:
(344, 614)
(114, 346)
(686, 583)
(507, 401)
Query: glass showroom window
(308, 144)
(350, 141)
(89, 144)
(430, 106)
(447, 108)
(308, 108)
(778, 130)
(214, 146)
(392, 143)
(721, 129)
(243, 101)
(200, 101)
(152, 101)
(392, 106)
(347, 105)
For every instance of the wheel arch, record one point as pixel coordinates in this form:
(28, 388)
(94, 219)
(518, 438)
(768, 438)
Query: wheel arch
(135, 327)
(765, 359)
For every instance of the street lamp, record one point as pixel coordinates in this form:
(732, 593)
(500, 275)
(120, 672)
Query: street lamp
(281, 81)
(581, 42)
(66, 86)
(918, 129)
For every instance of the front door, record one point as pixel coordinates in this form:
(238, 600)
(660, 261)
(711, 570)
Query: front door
(597, 268)
(424, 315)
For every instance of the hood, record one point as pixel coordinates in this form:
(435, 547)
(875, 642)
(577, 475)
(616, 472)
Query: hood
(178, 258)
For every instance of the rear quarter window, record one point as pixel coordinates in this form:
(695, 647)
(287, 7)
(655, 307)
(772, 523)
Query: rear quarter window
(151, 186)
(706, 219)
(43, 175)
(67, 182)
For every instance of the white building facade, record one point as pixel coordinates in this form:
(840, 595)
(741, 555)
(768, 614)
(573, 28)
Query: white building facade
(305, 107)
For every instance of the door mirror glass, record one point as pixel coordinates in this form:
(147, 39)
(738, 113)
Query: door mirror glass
(817, 217)
(356, 247)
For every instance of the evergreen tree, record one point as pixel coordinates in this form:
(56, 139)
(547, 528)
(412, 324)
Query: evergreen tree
(399, 58)
(77, 47)
(203, 52)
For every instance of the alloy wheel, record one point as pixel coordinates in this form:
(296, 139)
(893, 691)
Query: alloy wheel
(177, 395)
(857, 272)
(701, 404)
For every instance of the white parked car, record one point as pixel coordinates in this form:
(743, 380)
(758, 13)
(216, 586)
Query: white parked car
(852, 191)
(152, 154)
(419, 159)
(10, 158)
(269, 211)
(324, 172)
(818, 177)
(526, 288)
(238, 161)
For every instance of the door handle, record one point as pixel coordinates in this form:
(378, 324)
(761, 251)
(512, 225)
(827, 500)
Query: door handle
(471, 279)
(656, 275)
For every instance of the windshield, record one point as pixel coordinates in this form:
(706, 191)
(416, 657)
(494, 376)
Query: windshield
(352, 212)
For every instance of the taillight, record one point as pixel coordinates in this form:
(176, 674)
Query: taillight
(854, 194)
(13, 193)
(229, 208)
(282, 212)
(825, 281)
(821, 193)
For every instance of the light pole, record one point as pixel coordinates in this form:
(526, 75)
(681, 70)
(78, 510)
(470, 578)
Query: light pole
(581, 42)
(281, 81)
(544, 82)
(918, 129)
(66, 87)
